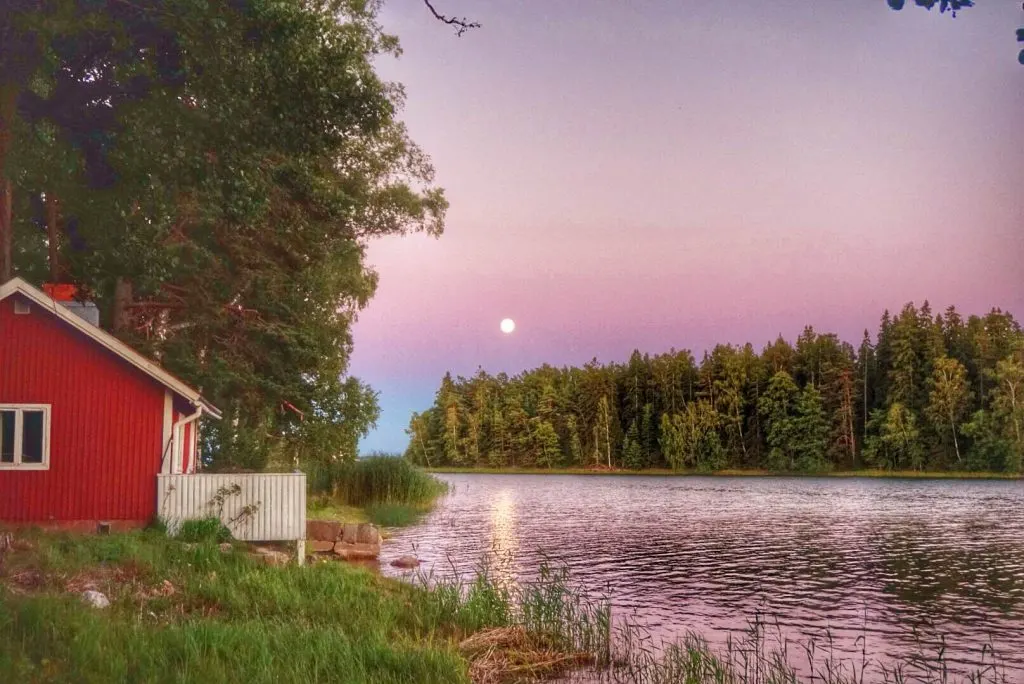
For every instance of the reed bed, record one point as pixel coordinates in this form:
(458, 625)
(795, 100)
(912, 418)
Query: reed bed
(388, 490)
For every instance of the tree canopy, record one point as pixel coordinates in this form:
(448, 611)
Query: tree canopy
(210, 173)
(929, 391)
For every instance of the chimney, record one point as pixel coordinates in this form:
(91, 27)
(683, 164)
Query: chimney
(64, 294)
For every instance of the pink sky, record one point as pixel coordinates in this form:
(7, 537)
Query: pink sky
(656, 174)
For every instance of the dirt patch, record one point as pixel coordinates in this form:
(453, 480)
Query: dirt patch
(127, 578)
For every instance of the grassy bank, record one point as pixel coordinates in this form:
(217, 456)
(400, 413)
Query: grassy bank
(197, 612)
(894, 474)
(385, 490)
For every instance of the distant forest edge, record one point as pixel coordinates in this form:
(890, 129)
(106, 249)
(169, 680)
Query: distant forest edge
(930, 392)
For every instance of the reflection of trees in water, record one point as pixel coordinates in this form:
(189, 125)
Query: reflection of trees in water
(904, 572)
(932, 578)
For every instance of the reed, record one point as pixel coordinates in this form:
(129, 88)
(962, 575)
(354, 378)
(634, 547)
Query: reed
(383, 479)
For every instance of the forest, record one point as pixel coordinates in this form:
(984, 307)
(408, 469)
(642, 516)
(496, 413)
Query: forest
(929, 392)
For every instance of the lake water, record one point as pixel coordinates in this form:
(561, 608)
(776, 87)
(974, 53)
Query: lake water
(871, 561)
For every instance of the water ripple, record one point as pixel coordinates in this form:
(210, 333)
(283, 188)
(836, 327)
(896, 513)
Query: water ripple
(881, 564)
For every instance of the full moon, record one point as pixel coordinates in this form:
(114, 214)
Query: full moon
(508, 325)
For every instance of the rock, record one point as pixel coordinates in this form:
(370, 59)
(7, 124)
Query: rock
(323, 530)
(317, 546)
(95, 599)
(367, 534)
(226, 547)
(272, 557)
(350, 533)
(406, 562)
(356, 551)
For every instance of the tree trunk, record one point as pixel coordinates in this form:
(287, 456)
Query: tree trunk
(956, 444)
(122, 300)
(865, 396)
(6, 230)
(52, 213)
(8, 101)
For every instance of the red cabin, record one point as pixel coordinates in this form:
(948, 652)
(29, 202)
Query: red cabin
(86, 423)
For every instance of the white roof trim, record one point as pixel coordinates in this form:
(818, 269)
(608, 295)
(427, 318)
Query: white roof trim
(105, 339)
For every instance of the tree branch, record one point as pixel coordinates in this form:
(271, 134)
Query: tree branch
(461, 25)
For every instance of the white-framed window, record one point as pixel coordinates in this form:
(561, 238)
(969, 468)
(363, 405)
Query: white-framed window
(25, 436)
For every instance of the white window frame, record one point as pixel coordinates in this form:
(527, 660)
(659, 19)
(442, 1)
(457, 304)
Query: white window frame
(19, 433)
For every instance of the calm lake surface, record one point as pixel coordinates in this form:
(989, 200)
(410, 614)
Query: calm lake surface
(872, 561)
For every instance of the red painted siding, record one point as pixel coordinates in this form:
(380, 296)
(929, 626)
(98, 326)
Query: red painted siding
(105, 430)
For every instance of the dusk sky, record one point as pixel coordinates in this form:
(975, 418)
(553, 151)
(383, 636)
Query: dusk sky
(654, 174)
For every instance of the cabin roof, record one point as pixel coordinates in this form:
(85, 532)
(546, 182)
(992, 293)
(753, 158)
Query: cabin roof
(105, 339)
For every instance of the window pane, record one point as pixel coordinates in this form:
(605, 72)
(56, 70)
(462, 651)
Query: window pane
(32, 437)
(7, 436)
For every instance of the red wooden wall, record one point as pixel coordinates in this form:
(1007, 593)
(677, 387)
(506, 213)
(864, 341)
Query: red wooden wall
(106, 424)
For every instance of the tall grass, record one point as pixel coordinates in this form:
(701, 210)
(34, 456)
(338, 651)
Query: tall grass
(761, 655)
(379, 479)
(393, 492)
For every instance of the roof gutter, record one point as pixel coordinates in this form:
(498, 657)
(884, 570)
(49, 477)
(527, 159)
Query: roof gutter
(176, 429)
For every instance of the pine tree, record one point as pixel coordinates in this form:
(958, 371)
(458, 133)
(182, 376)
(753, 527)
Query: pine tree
(810, 433)
(866, 372)
(778, 408)
(648, 436)
(632, 451)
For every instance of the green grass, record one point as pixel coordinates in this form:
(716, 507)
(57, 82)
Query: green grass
(739, 472)
(188, 612)
(395, 514)
(325, 508)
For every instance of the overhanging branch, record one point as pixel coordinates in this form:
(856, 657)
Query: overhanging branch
(461, 25)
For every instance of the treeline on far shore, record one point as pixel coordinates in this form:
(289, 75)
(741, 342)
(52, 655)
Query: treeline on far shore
(928, 392)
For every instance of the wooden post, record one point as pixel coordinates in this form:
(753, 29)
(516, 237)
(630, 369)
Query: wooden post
(300, 551)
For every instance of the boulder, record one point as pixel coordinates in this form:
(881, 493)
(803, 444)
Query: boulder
(347, 551)
(350, 533)
(367, 534)
(323, 530)
(272, 557)
(317, 546)
(95, 599)
(406, 562)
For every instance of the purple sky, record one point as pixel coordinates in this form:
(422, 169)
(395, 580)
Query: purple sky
(649, 174)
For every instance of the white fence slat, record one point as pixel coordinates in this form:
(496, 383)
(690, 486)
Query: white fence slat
(276, 503)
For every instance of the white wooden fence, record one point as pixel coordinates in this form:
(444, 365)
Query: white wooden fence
(254, 506)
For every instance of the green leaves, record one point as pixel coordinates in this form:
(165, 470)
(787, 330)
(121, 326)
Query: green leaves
(252, 150)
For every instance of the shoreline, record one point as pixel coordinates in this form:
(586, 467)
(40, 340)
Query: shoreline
(736, 472)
